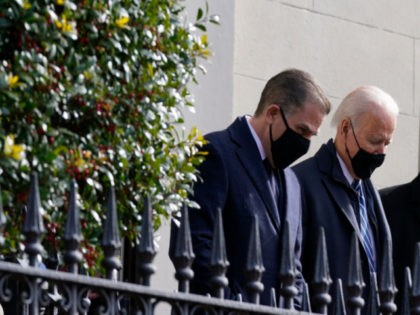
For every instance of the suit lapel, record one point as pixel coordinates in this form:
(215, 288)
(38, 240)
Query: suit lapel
(336, 184)
(340, 195)
(250, 158)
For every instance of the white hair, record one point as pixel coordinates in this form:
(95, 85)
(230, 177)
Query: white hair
(362, 100)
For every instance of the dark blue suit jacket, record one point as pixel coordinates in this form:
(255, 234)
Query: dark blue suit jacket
(330, 202)
(402, 208)
(234, 179)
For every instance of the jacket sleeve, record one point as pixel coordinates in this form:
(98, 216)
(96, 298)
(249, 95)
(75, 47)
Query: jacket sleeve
(210, 194)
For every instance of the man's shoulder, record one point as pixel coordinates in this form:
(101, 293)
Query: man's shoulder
(303, 167)
(393, 191)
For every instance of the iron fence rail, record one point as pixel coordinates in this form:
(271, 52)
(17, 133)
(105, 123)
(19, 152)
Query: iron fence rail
(45, 291)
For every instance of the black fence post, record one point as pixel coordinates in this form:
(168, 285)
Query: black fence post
(33, 229)
(387, 288)
(405, 305)
(184, 255)
(306, 299)
(355, 283)
(322, 280)
(110, 245)
(415, 290)
(183, 258)
(287, 274)
(146, 249)
(373, 301)
(254, 264)
(72, 238)
(218, 260)
(146, 253)
(72, 235)
(339, 307)
(111, 239)
(273, 298)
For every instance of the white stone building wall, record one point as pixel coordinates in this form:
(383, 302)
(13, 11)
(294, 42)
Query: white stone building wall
(342, 43)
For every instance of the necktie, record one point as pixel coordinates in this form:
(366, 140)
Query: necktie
(274, 182)
(367, 239)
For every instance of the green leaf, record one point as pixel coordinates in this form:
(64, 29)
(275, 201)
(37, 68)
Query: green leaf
(199, 14)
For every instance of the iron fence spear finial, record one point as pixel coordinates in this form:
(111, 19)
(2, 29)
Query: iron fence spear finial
(218, 261)
(387, 288)
(287, 272)
(322, 280)
(184, 255)
(372, 302)
(254, 264)
(146, 249)
(355, 283)
(33, 227)
(405, 305)
(72, 235)
(111, 240)
(339, 305)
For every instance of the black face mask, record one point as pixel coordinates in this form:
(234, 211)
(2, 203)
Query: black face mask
(364, 163)
(289, 147)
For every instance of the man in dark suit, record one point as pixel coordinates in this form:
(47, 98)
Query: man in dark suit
(236, 179)
(331, 181)
(402, 209)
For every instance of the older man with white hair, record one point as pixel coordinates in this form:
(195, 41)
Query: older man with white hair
(337, 192)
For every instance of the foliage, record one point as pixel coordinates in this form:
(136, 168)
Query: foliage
(94, 89)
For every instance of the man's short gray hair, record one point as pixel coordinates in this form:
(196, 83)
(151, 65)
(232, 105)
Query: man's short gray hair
(361, 101)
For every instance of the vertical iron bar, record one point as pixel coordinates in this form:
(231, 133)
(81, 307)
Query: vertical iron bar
(184, 255)
(254, 264)
(387, 288)
(218, 260)
(355, 283)
(339, 306)
(405, 305)
(146, 249)
(72, 235)
(306, 299)
(273, 298)
(72, 238)
(33, 229)
(110, 245)
(322, 280)
(372, 302)
(287, 274)
(111, 240)
(415, 290)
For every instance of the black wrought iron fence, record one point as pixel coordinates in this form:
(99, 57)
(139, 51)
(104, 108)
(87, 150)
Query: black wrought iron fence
(34, 290)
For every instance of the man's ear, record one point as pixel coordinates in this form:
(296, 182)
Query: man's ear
(344, 126)
(271, 112)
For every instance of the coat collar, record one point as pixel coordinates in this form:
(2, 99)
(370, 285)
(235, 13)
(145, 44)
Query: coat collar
(336, 183)
(340, 191)
(250, 158)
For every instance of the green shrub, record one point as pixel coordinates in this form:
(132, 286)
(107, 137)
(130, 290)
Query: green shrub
(94, 90)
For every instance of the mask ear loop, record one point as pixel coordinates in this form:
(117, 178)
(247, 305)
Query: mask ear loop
(284, 118)
(271, 133)
(354, 135)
